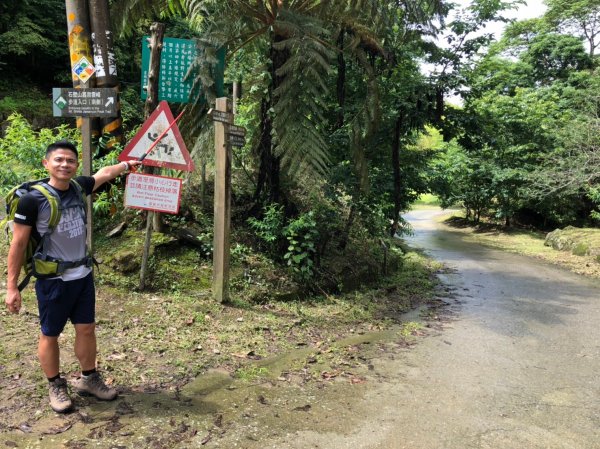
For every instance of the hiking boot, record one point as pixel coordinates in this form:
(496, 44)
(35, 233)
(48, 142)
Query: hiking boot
(59, 396)
(94, 385)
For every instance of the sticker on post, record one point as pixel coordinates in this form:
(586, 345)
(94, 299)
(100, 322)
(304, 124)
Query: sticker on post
(151, 192)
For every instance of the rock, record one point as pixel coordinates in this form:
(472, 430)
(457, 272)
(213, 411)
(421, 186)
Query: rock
(558, 240)
(580, 242)
(125, 262)
(118, 230)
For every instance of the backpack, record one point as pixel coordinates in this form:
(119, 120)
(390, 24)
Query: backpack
(36, 261)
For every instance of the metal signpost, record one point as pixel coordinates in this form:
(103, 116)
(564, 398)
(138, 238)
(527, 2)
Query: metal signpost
(91, 102)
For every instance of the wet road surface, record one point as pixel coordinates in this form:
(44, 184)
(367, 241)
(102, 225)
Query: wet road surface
(517, 366)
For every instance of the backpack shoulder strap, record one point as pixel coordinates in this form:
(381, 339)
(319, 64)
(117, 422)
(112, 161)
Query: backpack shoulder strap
(53, 199)
(82, 198)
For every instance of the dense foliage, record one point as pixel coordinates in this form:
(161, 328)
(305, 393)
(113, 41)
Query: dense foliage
(345, 127)
(524, 150)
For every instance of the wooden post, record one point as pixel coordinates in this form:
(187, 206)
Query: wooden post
(157, 31)
(222, 217)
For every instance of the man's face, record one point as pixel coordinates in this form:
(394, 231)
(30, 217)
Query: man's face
(61, 164)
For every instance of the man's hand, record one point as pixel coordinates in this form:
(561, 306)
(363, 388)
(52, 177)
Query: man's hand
(13, 300)
(134, 164)
(112, 171)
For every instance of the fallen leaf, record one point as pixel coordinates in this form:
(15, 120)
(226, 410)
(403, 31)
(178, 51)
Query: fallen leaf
(57, 430)
(304, 408)
(24, 427)
(206, 439)
(357, 380)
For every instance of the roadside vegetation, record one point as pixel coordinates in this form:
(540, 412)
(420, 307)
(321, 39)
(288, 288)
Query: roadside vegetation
(579, 254)
(345, 132)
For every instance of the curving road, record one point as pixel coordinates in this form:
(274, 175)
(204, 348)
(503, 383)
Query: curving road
(517, 367)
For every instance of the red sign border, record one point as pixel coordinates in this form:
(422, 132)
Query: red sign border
(163, 106)
(157, 210)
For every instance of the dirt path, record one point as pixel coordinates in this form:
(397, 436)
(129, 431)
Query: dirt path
(517, 368)
(512, 363)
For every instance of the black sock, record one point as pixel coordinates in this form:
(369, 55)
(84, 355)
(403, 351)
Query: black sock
(53, 378)
(88, 372)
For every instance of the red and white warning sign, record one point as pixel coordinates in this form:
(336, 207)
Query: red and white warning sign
(151, 192)
(170, 152)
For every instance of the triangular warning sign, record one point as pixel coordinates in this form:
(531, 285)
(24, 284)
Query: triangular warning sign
(170, 152)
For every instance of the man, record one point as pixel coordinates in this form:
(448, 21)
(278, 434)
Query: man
(70, 296)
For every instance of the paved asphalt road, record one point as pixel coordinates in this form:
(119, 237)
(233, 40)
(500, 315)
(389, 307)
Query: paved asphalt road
(517, 367)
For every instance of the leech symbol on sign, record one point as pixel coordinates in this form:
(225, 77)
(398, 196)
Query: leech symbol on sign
(170, 152)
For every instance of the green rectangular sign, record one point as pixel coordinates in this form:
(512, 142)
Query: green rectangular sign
(176, 58)
(90, 102)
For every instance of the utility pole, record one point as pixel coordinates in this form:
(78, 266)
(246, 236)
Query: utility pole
(80, 46)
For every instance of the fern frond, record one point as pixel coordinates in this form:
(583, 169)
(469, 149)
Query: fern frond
(298, 96)
(125, 14)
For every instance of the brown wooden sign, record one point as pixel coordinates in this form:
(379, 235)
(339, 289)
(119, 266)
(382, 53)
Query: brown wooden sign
(237, 130)
(220, 116)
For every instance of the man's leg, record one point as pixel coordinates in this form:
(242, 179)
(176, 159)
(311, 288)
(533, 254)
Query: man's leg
(49, 355)
(91, 381)
(85, 345)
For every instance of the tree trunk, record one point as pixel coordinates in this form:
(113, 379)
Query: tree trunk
(237, 94)
(106, 71)
(270, 165)
(346, 233)
(396, 171)
(341, 81)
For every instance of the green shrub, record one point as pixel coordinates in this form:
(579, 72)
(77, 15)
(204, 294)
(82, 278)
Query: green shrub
(301, 234)
(22, 150)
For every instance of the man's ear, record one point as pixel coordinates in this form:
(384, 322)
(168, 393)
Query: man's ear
(45, 162)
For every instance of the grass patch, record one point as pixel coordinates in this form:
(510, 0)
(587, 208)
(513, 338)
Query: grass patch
(427, 199)
(251, 373)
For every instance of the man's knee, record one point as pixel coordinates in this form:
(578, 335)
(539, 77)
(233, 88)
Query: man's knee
(85, 330)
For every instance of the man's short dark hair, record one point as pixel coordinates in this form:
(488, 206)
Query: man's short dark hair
(61, 145)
